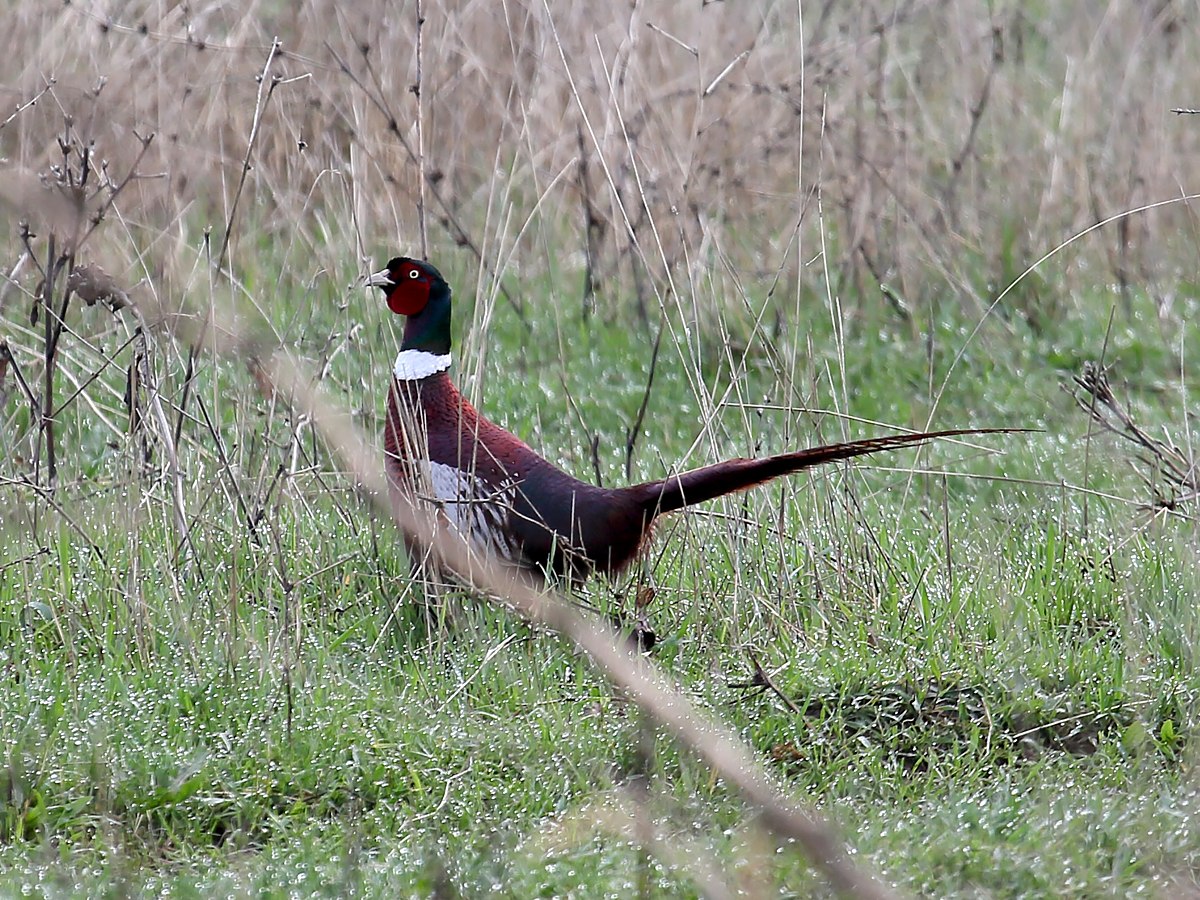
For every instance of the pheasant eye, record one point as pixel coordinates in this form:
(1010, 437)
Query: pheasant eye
(413, 273)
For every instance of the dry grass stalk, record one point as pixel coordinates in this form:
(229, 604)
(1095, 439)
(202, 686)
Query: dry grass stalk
(719, 119)
(1094, 395)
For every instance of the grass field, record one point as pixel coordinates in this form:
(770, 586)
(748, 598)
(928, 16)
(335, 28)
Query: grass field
(217, 679)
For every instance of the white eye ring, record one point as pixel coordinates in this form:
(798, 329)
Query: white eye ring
(413, 273)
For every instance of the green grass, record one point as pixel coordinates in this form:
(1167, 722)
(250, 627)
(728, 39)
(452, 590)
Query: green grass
(993, 698)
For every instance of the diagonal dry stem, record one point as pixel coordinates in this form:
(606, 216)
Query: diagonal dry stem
(635, 675)
(1094, 395)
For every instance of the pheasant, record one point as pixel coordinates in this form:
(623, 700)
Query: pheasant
(505, 499)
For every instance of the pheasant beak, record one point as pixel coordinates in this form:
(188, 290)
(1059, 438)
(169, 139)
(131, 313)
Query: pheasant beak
(381, 280)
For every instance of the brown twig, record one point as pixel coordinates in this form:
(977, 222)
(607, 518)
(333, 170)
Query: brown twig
(267, 84)
(114, 191)
(593, 437)
(1094, 395)
(11, 278)
(762, 681)
(109, 359)
(32, 101)
(593, 232)
(5, 359)
(46, 296)
(133, 390)
(631, 435)
(227, 469)
(595, 454)
(977, 111)
(448, 218)
(66, 516)
(162, 427)
(266, 88)
(10, 362)
(29, 557)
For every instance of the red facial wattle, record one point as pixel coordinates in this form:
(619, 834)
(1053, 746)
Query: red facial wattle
(410, 295)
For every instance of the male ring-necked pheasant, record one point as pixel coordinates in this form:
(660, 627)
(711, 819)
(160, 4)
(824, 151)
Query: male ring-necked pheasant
(504, 498)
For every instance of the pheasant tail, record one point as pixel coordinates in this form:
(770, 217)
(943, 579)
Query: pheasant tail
(733, 475)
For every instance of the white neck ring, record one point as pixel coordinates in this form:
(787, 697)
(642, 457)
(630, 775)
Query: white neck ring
(412, 365)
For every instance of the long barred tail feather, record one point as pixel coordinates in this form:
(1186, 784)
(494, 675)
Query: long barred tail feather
(733, 475)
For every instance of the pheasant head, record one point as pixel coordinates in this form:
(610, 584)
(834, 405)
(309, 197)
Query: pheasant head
(416, 290)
